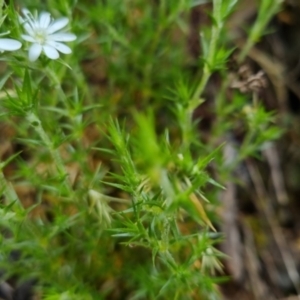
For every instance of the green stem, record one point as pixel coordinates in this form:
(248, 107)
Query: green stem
(245, 50)
(196, 100)
(36, 123)
(267, 10)
(57, 83)
(207, 71)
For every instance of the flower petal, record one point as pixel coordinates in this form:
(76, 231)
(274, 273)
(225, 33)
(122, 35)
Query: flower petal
(62, 37)
(34, 52)
(60, 47)
(57, 25)
(28, 28)
(51, 52)
(9, 44)
(21, 20)
(28, 38)
(44, 20)
(27, 13)
(30, 20)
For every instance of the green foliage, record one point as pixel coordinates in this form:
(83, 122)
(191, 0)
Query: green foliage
(122, 197)
(267, 9)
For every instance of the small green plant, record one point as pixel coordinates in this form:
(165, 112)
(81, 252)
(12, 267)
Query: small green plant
(123, 191)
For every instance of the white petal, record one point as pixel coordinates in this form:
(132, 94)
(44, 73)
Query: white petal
(26, 13)
(9, 44)
(30, 20)
(62, 37)
(51, 52)
(28, 38)
(44, 20)
(34, 52)
(21, 20)
(57, 25)
(60, 47)
(28, 28)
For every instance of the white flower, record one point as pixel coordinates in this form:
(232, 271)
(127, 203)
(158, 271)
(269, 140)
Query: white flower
(42, 32)
(9, 45)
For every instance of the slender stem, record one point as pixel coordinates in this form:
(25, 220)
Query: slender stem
(36, 123)
(196, 101)
(207, 71)
(267, 10)
(54, 77)
(245, 50)
(216, 29)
